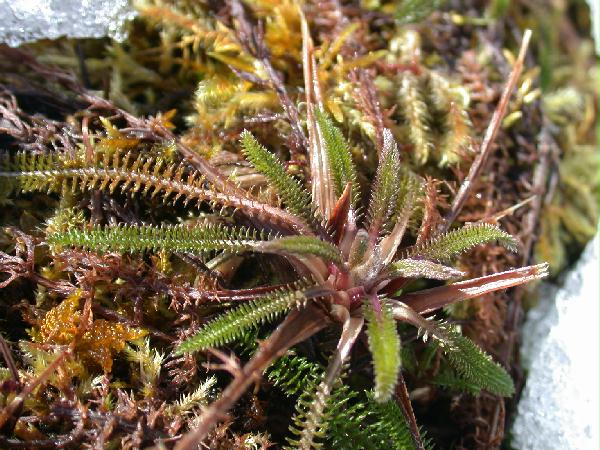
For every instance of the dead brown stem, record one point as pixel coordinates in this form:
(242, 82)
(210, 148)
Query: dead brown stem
(407, 412)
(9, 360)
(429, 300)
(298, 326)
(488, 139)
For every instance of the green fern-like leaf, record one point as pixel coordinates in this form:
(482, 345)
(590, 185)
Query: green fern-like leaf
(296, 198)
(357, 420)
(384, 344)
(473, 365)
(234, 323)
(390, 420)
(338, 153)
(303, 245)
(444, 248)
(448, 379)
(199, 239)
(310, 422)
(133, 174)
(292, 373)
(351, 423)
(385, 186)
(173, 238)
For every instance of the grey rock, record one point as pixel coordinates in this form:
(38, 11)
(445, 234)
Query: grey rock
(29, 20)
(559, 406)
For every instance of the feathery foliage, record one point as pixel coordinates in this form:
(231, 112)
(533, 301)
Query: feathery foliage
(133, 174)
(473, 365)
(444, 248)
(357, 420)
(173, 238)
(234, 323)
(310, 421)
(385, 186)
(384, 344)
(338, 153)
(303, 245)
(448, 379)
(293, 373)
(55, 172)
(295, 197)
(199, 239)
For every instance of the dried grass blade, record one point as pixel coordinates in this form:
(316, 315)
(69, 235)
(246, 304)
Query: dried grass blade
(429, 300)
(488, 139)
(323, 189)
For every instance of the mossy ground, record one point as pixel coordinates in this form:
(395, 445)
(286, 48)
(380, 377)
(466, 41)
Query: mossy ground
(112, 320)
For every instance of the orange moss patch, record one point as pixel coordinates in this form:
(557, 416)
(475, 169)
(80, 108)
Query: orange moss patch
(99, 341)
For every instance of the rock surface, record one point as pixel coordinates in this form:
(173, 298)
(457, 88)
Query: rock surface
(28, 20)
(559, 406)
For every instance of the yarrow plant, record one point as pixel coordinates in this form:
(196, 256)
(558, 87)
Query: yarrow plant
(351, 266)
(309, 152)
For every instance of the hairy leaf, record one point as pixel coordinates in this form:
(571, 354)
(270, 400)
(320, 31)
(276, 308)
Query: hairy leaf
(302, 245)
(173, 238)
(385, 186)
(449, 245)
(148, 176)
(384, 344)
(473, 365)
(296, 198)
(420, 268)
(338, 153)
(234, 323)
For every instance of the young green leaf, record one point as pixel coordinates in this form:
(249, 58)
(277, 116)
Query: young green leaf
(302, 245)
(296, 198)
(339, 156)
(385, 186)
(444, 248)
(235, 322)
(473, 365)
(384, 344)
(173, 238)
